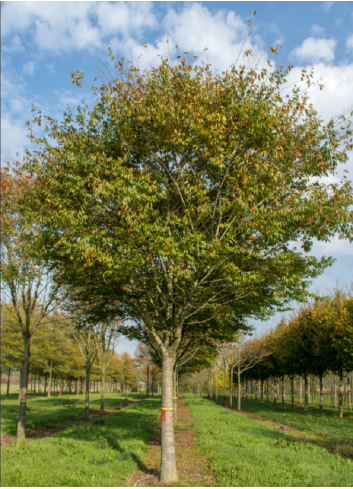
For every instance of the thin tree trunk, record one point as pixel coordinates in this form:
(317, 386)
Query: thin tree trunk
(340, 396)
(8, 383)
(239, 390)
(21, 425)
(225, 385)
(275, 391)
(349, 393)
(50, 374)
(334, 392)
(148, 379)
(306, 392)
(231, 387)
(283, 393)
(175, 397)
(292, 391)
(88, 368)
(168, 471)
(300, 390)
(77, 386)
(45, 383)
(102, 392)
(267, 393)
(321, 395)
(262, 391)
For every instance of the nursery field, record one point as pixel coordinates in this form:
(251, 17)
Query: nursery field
(266, 445)
(248, 452)
(101, 452)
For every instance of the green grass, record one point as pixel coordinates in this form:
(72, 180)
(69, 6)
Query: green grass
(246, 452)
(57, 409)
(99, 453)
(326, 430)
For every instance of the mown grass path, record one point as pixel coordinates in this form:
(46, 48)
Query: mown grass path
(247, 452)
(193, 467)
(102, 452)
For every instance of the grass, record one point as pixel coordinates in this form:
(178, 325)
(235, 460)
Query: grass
(53, 410)
(246, 452)
(100, 453)
(328, 431)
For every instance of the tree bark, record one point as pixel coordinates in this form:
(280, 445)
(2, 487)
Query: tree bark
(45, 383)
(262, 391)
(175, 397)
(349, 393)
(21, 425)
(231, 387)
(275, 391)
(292, 391)
(8, 383)
(168, 472)
(148, 379)
(283, 393)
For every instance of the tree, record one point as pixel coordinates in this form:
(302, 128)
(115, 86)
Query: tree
(27, 283)
(11, 342)
(144, 361)
(245, 355)
(107, 340)
(180, 193)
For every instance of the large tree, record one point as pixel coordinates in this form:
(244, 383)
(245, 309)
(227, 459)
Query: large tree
(178, 196)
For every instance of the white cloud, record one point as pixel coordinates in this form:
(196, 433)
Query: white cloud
(327, 5)
(28, 68)
(63, 27)
(14, 46)
(317, 30)
(349, 42)
(313, 50)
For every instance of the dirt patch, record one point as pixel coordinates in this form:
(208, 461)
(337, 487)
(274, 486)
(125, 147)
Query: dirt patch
(52, 430)
(193, 467)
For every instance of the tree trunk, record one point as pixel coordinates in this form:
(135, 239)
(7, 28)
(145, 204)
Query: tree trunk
(8, 383)
(334, 392)
(152, 383)
(283, 393)
(321, 396)
(45, 383)
(21, 425)
(292, 391)
(239, 390)
(168, 472)
(216, 386)
(209, 389)
(225, 385)
(340, 396)
(275, 391)
(148, 379)
(102, 392)
(349, 393)
(300, 390)
(262, 391)
(175, 397)
(306, 392)
(231, 388)
(267, 393)
(50, 373)
(88, 368)
(77, 386)
(61, 387)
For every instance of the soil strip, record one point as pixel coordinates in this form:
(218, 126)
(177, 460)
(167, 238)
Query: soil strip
(193, 467)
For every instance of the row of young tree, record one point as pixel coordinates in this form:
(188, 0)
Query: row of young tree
(170, 209)
(316, 342)
(58, 357)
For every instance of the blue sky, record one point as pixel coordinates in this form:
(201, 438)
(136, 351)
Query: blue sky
(41, 41)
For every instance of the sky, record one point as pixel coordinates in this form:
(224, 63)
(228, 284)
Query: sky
(42, 41)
